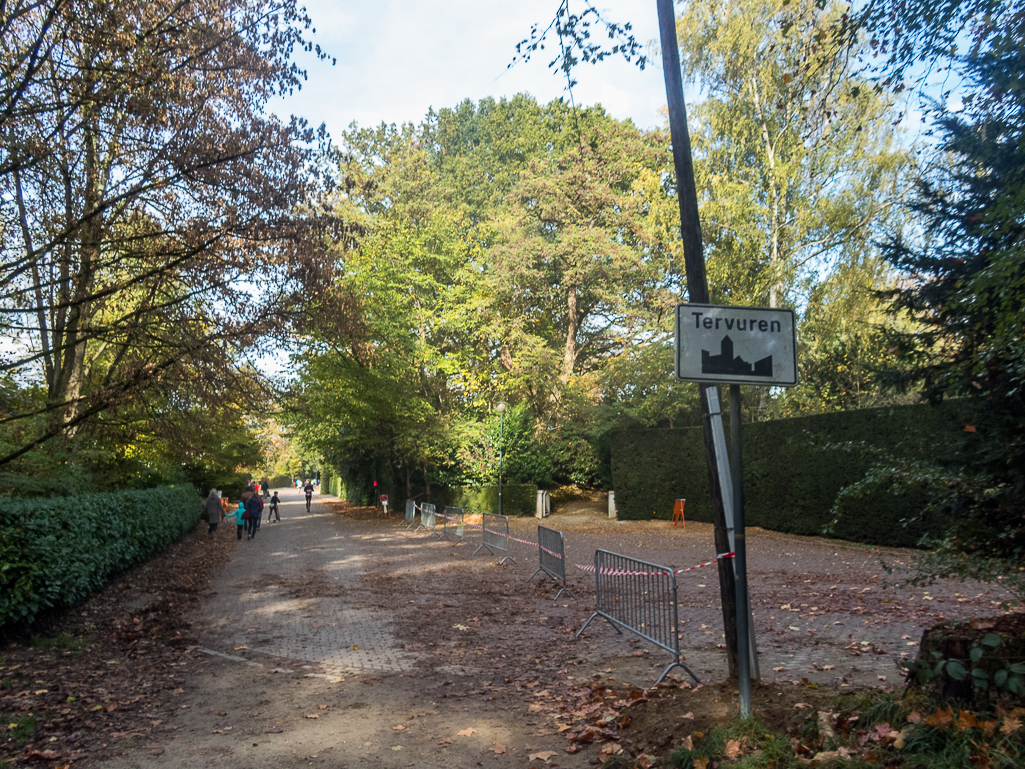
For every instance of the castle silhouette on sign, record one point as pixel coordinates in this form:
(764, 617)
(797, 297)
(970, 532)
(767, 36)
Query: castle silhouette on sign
(726, 363)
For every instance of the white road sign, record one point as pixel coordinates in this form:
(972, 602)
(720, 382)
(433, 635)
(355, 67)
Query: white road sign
(736, 345)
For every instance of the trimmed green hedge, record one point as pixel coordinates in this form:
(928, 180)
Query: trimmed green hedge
(794, 469)
(56, 552)
(517, 499)
(334, 486)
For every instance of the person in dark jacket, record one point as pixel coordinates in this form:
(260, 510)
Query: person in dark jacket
(253, 511)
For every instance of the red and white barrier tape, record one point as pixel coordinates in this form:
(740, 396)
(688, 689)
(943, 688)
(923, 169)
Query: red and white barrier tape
(626, 573)
(606, 572)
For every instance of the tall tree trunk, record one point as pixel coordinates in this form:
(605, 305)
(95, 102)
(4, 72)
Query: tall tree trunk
(777, 289)
(569, 358)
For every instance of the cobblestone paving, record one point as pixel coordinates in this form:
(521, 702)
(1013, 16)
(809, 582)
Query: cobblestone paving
(290, 596)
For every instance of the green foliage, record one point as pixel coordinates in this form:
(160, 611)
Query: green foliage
(512, 251)
(54, 553)
(795, 155)
(332, 484)
(794, 470)
(984, 667)
(517, 499)
(965, 286)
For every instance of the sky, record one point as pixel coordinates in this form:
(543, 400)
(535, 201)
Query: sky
(396, 59)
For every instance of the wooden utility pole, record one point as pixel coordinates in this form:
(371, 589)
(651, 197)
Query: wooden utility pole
(697, 291)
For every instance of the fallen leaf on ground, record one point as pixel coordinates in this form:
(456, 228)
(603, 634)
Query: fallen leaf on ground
(688, 715)
(312, 715)
(497, 749)
(467, 732)
(543, 755)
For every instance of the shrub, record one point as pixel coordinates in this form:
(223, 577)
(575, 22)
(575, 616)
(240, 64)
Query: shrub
(55, 552)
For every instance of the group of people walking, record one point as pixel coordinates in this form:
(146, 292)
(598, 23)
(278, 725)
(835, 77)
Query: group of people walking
(249, 514)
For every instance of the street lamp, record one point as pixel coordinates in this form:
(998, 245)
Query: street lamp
(501, 408)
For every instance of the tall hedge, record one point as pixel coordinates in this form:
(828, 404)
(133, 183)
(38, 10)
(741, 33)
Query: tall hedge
(517, 499)
(55, 552)
(794, 469)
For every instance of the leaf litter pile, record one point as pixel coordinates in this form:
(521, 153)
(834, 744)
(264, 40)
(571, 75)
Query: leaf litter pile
(111, 669)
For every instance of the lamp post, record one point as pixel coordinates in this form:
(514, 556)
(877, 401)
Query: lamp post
(501, 408)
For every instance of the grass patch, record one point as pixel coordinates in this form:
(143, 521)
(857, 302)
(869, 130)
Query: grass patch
(22, 731)
(868, 730)
(60, 643)
(747, 744)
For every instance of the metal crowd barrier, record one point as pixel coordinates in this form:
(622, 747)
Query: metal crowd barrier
(428, 520)
(495, 535)
(551, 558)
(452, 521)
(410, 513)
(640, 597)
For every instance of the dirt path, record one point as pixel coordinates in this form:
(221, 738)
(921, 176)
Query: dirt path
(341, 642)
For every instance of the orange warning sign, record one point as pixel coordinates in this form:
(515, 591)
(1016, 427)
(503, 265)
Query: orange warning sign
(678, 513)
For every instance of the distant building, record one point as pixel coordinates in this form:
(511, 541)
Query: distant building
(728, 364)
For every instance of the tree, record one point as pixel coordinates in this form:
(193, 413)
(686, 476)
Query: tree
(568, 262)
(156, 220)
(504, 254)
(800, 173)
(798, 165)
(965, 286)
(382, 362)
(923, 33)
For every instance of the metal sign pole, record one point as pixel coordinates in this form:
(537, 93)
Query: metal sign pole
(740, 558)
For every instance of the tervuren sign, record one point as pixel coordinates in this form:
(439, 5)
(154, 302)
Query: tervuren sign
(736, 345)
